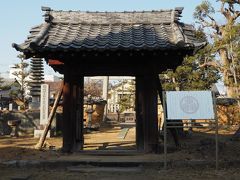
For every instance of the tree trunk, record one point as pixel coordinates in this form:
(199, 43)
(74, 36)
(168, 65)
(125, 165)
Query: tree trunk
(227, 77)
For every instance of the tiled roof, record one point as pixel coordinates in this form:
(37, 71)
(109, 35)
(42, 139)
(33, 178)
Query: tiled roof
(76, 31)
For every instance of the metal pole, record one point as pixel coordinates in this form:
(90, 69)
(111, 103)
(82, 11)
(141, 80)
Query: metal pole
(165, 131)
(216, 128)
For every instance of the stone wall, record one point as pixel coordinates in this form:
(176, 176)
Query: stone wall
(29, 122)
(228, 115)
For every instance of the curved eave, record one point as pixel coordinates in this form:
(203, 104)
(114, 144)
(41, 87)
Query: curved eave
(26, 50)
(20, 47)
(37, 33)
(40, 50)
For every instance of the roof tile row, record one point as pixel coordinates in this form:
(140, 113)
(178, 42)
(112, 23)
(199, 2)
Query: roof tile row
(75, 30)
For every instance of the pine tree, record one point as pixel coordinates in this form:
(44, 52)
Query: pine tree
(225, 40)
(127, 98)
(191, 75)
(21, 75)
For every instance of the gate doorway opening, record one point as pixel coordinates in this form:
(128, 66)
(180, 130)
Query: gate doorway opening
(109, 113)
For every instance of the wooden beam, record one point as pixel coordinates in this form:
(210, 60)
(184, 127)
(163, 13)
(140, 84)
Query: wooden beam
(67, 142)
(146, 112)
(116, 62)
(78, 97)
(139, 115)
(42, 139)
(54, 62)
(72, 111)
(159, 87)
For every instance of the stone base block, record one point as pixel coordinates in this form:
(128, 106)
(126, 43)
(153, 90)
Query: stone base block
(38, 133)
(34, 105)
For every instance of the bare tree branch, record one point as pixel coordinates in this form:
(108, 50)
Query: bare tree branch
(231, 8)
(236, 15)
(222, 7)
(230, 13)
(214, 24)
(210, 63)
(225, 11)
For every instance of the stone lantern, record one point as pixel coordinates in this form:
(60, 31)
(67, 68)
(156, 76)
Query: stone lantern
(89, 111)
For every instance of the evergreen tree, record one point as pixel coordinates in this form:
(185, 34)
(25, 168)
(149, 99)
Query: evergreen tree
(3, 85)
(191, 75)
(127, 98)
(21, 83)
(224, 36)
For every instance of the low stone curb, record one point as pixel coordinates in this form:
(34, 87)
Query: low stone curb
(157, 164)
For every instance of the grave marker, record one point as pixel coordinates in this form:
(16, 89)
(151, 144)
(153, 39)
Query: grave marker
(44, 103)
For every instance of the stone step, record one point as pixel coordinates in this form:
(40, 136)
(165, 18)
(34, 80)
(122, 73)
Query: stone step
(93, 169)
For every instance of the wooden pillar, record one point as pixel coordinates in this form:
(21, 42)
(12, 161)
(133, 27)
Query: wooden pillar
(72, 112)
(139, 114)
(146, 114)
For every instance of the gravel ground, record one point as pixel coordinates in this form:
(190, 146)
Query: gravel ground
(146, 173)
(198, 146)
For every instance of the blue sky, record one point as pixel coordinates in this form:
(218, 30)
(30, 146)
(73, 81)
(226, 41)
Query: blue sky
(18, 16)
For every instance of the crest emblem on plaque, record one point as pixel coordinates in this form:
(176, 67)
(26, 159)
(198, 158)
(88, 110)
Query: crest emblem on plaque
(189, 104)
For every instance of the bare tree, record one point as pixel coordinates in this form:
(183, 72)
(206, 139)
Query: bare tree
(93, 87)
